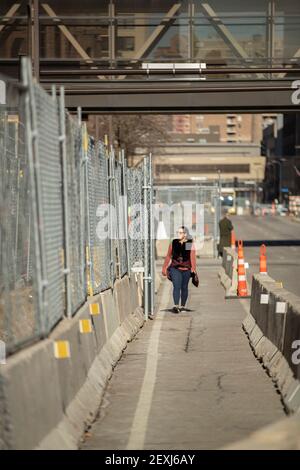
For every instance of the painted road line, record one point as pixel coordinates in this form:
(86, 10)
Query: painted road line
(139, 426)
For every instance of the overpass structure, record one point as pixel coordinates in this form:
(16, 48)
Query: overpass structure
(101, 54)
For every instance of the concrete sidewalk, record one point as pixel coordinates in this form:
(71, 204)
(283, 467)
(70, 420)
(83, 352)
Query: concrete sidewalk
(187, 381)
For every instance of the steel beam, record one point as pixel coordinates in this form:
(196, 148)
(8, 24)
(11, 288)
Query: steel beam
(192, 98)
(225, 34)
(70, 37)
(156, 34)
(35, 44)
(167, 71)
(10, 13)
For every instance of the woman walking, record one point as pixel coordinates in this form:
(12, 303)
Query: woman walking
(182, 255)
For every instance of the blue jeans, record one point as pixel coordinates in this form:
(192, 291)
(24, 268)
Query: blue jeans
(180, 280)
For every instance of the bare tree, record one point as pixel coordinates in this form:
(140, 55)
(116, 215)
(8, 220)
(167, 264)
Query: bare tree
(130, 131)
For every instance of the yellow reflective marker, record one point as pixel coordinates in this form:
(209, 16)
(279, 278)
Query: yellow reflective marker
(85, 325)
(85, 139)
(95, 309)
(279, 284)
(85, 143)
(106, 140)
(62, 349)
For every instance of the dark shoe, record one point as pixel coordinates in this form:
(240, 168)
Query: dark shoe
(183, 309)
(175, 310)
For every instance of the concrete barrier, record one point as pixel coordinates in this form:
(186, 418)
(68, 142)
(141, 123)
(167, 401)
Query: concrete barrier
(282, 435)
(228, 272)
(273, 327)
(47, 403)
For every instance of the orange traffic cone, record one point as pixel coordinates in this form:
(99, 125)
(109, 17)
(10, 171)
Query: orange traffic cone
(263, 260)
(240, 250)
(233, 240)
(242, 290)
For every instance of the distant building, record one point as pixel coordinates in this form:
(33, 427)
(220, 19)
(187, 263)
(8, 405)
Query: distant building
(187, 162)
(281, 146)
(232, 128)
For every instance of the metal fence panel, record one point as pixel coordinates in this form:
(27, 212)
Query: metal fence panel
(50, 205)
(121, 216)
(18, 310)
(59, 239)
(76, 213)
(135, 211)
(103, 199)
(97, 193)
(112, 217)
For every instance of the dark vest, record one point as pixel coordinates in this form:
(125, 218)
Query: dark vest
(181, 254)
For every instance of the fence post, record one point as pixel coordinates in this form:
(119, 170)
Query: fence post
(215, 225)
(151, 237)
(62, 140)
(83, 196)
(148, 269)
(117, 214)
(36, 163)
(125, 209)
(28, 247)
(111, 225)
(17, 193)
(31, 135)
(85, 146)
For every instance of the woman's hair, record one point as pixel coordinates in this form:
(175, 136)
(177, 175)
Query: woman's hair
(187, 232)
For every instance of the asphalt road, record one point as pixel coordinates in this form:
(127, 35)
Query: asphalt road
(283, 261)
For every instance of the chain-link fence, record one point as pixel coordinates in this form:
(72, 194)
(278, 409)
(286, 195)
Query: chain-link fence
(197, 207)
(49, 198)
(19, 322)
(65, 204)
(75, 226)
(141, 227)
(97, 200)
(135, 178)
(121, 209)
